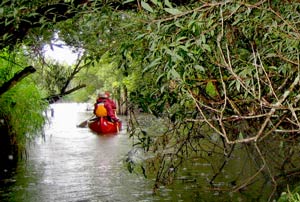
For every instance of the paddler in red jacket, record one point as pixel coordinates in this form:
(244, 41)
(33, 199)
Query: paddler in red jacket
(112, 103)
(103, 107)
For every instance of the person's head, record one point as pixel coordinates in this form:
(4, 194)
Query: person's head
(102, 95)
(107, 93)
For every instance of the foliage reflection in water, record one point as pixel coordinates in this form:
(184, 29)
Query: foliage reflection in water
(73, 164)
(198, 166)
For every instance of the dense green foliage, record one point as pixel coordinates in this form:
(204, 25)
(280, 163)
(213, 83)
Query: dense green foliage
(232, 67)
(21, 108)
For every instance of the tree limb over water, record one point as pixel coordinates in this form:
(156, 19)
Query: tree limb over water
(16, 78)
(55, 98)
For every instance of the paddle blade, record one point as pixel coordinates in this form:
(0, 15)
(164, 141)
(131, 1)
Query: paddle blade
(82, 124)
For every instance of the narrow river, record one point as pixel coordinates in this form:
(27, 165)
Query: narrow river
(71, 164)
(74, 164)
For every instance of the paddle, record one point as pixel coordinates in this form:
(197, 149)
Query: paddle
(118, 127)
(84, 123)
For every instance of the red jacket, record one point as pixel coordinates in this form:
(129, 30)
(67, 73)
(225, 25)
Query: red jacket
(109, 105)
(112, 103)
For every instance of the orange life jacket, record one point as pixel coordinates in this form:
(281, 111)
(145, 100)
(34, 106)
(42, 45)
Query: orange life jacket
(101, 110)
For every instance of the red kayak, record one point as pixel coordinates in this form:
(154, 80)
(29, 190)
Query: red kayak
(102, 126)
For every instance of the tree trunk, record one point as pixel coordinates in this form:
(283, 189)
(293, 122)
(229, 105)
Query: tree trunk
(8, 152)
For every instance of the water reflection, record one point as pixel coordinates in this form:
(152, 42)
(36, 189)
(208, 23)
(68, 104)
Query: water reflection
(73, 164)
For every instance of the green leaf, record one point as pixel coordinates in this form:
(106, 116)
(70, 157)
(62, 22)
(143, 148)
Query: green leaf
(1, 12)
(199, 68)
(206, 47)
(173, 11)
(152, 64)
(238, 86)
(140, 36)
(128, 1)
(203, 39)
(160, 78)
(184, 48)
(181, 38)
(174, 74)
(168, 4)
(154, 1)
(241, 136)
(147, 7)
(211, 89)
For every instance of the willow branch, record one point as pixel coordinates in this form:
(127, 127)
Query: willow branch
(278, 103)
(267, 77)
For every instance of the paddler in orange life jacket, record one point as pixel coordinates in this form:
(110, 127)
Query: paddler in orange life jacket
(103, 108)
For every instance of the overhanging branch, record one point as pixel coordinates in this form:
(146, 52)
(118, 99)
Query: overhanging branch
(54, 98)
(16, 78)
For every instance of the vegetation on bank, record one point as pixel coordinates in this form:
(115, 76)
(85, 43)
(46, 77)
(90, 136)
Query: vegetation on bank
(21, 110)
(232, 67)
(223, 73)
